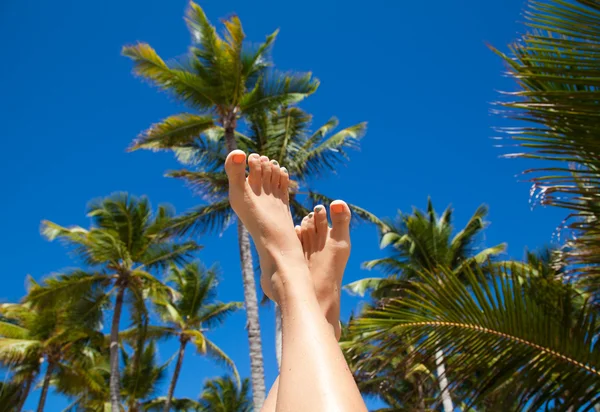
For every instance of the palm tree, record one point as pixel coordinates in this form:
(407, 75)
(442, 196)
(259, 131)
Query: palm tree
(423, 242)
(224, 395)
(283, 135)
(493, 327)
(30, 336)
(11, 394)
(126, 242)
(223, 81)
(556, 67)
(191, 314)
(400, 380)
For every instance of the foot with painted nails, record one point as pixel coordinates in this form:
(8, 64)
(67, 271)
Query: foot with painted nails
(326, 250)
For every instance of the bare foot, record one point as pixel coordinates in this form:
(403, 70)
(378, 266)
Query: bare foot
(326, 251)
(261, 201)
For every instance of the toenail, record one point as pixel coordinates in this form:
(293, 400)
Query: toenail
(264, 159)
(238, 158)
(310, 214)
(275, 162)
(284, 170)
(318, 208)
(254, 155)
(337, 208)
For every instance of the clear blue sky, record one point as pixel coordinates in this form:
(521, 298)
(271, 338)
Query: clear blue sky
(418, 72)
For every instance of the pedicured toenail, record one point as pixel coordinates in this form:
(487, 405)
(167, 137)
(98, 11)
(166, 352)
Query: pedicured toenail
(310, 215)
(318, 208)
(238, 158)
(337, 208)
(284, 170)
(274, 162)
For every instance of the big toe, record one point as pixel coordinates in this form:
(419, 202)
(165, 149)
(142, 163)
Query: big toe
(235, 166)
(340, 218)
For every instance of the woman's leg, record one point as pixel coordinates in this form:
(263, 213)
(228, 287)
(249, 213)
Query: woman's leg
(326, 251)
(314, 373)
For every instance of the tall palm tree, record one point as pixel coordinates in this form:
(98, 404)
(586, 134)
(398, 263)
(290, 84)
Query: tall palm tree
(556, 66)
(188, 317)
(492, 325)
(222, 81)
(425, 242)
(284, 135)
(225, 395)
(30, 336)
(124, 244)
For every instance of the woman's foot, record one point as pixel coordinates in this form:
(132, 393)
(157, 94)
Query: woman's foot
(326, 251)
(261, 201)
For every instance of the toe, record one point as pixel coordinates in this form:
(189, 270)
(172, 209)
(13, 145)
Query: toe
(275, 175)
(340, 217)
(298, 230)
(306, 237)
(266, 173)
(235, 166)
(320, 219)
(284, 183)
(254, 177)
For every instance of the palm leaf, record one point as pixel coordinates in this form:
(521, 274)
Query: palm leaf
(504, 331)
(556, 66)
(174, 131)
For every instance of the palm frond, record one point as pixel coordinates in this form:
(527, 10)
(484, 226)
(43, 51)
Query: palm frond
(163, 255)
(504, 331)
(212, 186)
(556, 66)
(275, 90)
(204, 346)
(323, 156)
(216, 313)
(18, 351)
(184, 85)
(203, 219)
(173, 132)
(177, 405)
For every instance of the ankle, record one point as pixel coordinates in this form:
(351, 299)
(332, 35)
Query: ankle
(292, 283)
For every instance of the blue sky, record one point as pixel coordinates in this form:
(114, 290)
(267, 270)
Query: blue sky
(419, 73)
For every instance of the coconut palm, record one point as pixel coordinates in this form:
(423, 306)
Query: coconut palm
(421, 242)
(11, 394)
(222, 81)
(124, 245)
(491, 325)
(225, 395)
(283, 135)
(556, 66)
(188, 317)
(30, 336)
(398, 379)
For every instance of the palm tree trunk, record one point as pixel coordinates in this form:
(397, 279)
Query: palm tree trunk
(257, 370)
(25, 393)
(443, 380)
(45, 386)
(115, 381)
(278, 340)
(175, 374)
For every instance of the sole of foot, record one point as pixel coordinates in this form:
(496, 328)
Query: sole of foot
(326, 251)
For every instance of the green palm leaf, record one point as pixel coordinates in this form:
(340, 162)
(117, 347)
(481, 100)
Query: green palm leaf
(505, 333)
(556, 66)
